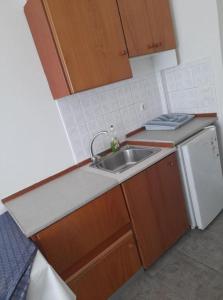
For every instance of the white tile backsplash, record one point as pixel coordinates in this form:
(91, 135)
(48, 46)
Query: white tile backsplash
(190, 88)
(119, 104)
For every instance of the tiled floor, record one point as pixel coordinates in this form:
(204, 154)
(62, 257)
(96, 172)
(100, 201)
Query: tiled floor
(191, 270)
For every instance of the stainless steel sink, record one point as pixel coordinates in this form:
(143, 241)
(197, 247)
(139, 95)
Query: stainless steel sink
(124, 159)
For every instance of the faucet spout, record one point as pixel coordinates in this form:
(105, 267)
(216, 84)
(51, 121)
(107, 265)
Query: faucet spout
(94, 157)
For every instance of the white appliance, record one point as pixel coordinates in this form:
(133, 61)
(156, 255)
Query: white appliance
(202, 177)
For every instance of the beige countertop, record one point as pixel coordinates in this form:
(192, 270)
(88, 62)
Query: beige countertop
(174, 136)
(47, 204)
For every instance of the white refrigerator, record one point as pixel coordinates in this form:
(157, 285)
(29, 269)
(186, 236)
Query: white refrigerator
(202, 177)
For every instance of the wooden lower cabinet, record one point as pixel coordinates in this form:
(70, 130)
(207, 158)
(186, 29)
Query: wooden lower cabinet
(173, 210)
(107, 272)
(157, 209)
(73, 240)
(95, 248)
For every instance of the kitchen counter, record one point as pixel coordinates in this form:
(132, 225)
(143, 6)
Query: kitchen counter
(174, 136)
(52, 201)
(47, 204)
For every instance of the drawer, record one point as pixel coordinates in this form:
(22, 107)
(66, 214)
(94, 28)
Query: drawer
(108, 271)
(72, 238)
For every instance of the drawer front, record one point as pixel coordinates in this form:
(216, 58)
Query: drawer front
(107, 272)
(69, 240)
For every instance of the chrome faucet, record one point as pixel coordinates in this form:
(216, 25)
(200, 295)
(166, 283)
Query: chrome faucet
(95, 158)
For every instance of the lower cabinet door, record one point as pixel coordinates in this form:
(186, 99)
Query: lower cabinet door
(100, 278)
(173, 212)
(142, 194)
(70, 240)
(157, 208)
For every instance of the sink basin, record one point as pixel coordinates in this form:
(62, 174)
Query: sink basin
(124, 159)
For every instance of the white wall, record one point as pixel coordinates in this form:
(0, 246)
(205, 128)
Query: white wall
(33, 144)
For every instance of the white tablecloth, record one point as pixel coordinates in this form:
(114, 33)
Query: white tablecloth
(45, 284)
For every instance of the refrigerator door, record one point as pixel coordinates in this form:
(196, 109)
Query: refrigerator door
(203, 176)
(187, 194)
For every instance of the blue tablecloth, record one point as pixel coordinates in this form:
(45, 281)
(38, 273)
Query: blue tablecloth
(16, 257)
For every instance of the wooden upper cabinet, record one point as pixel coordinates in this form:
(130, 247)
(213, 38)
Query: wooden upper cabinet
(147, 26)
(84, 39)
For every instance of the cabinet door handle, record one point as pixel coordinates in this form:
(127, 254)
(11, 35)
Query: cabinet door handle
(123, 52)
(154, 45)
(170, 163)
(131, 245)
(157, 45)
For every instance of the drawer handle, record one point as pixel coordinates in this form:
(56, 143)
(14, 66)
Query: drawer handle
(150, 46)
(123, 52)
(154, 45)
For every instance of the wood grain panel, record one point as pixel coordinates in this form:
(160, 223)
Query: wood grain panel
(173, 211)
(46, 48)
(109, 271)
(139, 196)
(161, 23)
(152, 144)
(206, 115)
(90, 40)
(131, 133)
(157, 208)
(147, 26)
(75, 236)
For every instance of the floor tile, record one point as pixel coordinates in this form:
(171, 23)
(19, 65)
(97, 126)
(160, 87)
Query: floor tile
(217, 225)
(191, 270)
(189, 279)
(205, 247)
(146, 288)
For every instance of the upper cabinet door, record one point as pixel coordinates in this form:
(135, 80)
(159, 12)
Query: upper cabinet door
(147, 25)
(90, 41)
